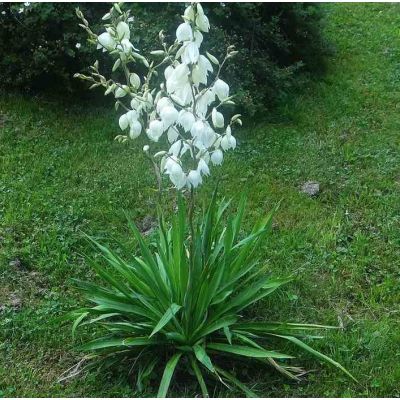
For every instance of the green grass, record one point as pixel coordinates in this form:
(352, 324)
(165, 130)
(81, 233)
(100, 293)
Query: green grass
(61, 174)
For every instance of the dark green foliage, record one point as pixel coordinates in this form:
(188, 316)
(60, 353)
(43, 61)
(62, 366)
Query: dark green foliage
(38, 44)
(277, 42)
(184, 298)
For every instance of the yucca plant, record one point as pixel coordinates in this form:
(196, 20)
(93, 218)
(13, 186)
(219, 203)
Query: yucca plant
(183, 302)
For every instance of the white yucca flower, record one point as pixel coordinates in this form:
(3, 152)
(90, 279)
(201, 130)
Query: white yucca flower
(217, 118)
(186, 119)
(155, 130)
(123, 31)
(172, 134)
(217, 157)
(191, 53)
(221, 89)
(169, 115)
(194, 178)
(175, 148)
(184, 32)
(106, 41)
(201, 20)
(203, 167)
(135, 129)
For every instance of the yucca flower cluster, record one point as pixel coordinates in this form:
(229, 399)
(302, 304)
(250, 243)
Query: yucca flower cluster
(178, 103)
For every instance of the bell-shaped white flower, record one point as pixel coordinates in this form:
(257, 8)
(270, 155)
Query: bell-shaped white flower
(202, 167)
(184, 94)
(209, 137)
(162, 103)
(194, 178)
(123, 30)
(106, 41)
(184, 32)
(186, 119)
(203, 100)
(189, 13)
(186, 148)
(204, 64)
(201, 70)
(201, 20)
(135, 129)
(132, 115)
(198, 142)
(232, 142)
(123, 122)
(225, 143)
(221, 89)
(135, 103)
(175, 169)
(127, 46)
(175, 148)
(134, 80)
(177, 78)
(198, 129)
(179, 180)
(217, 157)
(205, 155)
(191, 53)
(156, 129)
(228, 141)
(172, 134)
(168, 72)
(178, 85)
(181, 73)
(197, 76)
(198, 38)
(169, 115)
(175, 172)
(168, 163)
(217, 118)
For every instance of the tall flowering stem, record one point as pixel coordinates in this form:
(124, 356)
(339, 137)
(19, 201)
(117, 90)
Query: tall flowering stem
(178, 101)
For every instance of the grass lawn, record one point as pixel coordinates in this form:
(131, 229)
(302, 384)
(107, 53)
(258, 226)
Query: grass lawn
(61, 174)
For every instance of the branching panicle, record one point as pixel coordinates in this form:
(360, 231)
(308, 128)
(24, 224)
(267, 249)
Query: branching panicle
(183, 111)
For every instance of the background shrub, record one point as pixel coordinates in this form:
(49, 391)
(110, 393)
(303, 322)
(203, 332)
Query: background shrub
(38, 44)
(281, 44)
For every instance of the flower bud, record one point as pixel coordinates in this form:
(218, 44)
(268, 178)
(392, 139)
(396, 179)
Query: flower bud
(134, 80)
(213, 59)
